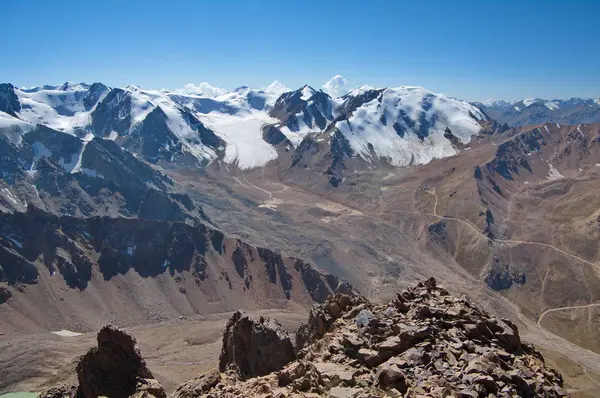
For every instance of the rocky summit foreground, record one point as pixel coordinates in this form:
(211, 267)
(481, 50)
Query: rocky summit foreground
(424, 343)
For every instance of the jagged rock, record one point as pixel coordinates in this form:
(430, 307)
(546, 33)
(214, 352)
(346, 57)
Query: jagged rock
(5, 294)
(115, 368)
(322, 316)
(425, 343)
(197, 386)
(64, 391)
(147, 388)
(254, 348)
(302, 376)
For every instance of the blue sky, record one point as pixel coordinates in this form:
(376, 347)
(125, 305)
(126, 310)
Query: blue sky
(468, 49)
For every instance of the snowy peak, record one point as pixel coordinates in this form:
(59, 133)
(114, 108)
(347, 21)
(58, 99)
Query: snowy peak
(406, 125)
(247, 99)
(70, 86)
(336, 87)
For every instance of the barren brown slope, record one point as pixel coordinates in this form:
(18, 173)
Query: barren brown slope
(71, 273)
(384, 227)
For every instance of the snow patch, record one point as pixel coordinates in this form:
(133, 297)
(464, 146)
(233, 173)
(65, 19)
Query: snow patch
(13, 129)
(554, 174)
(66, 333)
(40, 151)
(307, 92)
(91, 173)
(79, 157)
(15, 242)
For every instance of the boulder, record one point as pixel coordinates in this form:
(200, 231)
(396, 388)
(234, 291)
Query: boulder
(389, 375)
(254, 348)
(198, 386)
(302, 376)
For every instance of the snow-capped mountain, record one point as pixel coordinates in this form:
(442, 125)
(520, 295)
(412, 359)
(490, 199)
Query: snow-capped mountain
(246, 127)
(302, 112)
(406, 125)
(536, 111)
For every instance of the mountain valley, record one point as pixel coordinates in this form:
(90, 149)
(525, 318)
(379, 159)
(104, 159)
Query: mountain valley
(155, 210)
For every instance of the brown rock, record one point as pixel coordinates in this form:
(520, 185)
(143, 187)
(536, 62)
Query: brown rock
(396, 344)
(302, 375)
(254, 348)
(114, 367)
(389, 375)
(64, 391)
(5, 294)
(322, 316)
(147, 388)
(198, 386)
(372, 357)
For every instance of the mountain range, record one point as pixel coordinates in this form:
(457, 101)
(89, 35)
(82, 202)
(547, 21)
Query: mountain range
(537, 110)
(142, 207)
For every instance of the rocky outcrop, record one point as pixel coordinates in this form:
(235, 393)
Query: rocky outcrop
(424, 343)
(9, 102)
(115, 368)
(254, 348)
(198, 386)
(5, 294)
(322, 317)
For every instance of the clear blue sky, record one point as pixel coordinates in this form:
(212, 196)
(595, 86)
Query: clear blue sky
(469, 49)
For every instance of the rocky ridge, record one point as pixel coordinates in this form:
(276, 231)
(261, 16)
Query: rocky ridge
(424, 343)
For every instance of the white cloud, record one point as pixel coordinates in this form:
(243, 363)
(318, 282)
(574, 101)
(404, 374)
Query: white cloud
(336, 87)
(276, 88)
(203, 89)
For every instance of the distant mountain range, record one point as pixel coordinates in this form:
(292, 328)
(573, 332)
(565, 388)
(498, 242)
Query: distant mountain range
(536, 111)
(403, 126)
